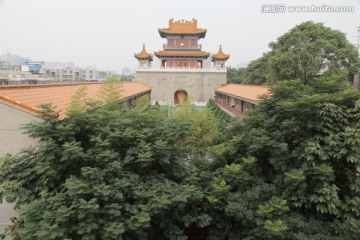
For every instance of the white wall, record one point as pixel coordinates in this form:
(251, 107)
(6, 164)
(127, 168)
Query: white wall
(12, 140)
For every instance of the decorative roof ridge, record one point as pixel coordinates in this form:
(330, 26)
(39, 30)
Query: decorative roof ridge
(182, 50)
(46, 85)
(182, 27)
(247, 85)
(140, 83)
(33, 110)
(143, 54)
(220, 55)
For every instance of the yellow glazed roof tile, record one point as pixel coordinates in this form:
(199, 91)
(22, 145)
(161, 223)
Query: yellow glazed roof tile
(28, 97)
(251, 92)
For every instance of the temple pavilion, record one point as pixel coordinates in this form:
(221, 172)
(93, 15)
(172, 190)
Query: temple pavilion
(183, 72)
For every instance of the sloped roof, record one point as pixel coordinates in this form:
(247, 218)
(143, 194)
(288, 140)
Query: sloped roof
(220, 55)
(249, 92)
(175, 53)
(28, 97)
(182, 27)
(143, 54)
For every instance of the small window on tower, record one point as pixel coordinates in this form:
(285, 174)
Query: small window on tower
(193, 42)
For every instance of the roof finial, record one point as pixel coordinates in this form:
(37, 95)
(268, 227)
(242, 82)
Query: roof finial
(220, 46)
(143, 45)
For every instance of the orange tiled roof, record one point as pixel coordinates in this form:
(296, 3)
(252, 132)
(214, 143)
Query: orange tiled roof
(182, 54)
(143, 54)
(27, 98)
(250, 92)
(182, 27)
(220, 55)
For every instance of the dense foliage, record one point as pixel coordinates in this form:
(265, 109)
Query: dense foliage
(305, 52)
(222, 117)
(287, 170)
(257, 71)
(292, 166)
(235, 75)
(309, 50)
(100, 176)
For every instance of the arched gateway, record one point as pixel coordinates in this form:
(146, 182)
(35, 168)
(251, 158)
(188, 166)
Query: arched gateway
(180, 96)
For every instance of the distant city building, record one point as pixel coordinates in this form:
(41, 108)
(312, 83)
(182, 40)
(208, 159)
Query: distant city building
(126, 71)
(185, 71)
(35, 67)
(53, 65)
(15, 70)
(73, 74)
(14, 76)
(11, 60)
(103, 75)
(89, 74)
(65, 74)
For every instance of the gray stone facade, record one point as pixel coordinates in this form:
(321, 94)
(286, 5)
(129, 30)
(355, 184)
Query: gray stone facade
(12, 140)
(199, 84)
(357, 81)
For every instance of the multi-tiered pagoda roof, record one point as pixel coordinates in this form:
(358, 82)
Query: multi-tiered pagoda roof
(182, 27)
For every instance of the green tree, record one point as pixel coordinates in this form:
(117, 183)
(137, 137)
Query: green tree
(80, 102)
(309, 50)
(257, 71)
(203, 131)
(96, 175)
(142, 103)
(110, 93)
(292, 168)
(203, 128)
(235, 75)
(184, 111)
(222, 117)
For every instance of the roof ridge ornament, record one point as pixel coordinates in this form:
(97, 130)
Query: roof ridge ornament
(143, 54)
(182, 27)
(220, 55)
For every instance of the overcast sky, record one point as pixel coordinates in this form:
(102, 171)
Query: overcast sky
(106, 33)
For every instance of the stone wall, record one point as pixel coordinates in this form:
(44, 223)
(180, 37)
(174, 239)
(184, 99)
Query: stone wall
(12, 140)
(357, 81)
(198, 84)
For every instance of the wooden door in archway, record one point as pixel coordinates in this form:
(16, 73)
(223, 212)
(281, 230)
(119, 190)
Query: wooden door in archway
(180, 96)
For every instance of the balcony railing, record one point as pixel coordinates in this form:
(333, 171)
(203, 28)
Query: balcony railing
(179, 69)
(194, 47)
(231, 109)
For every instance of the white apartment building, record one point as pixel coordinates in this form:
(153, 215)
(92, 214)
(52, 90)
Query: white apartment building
(73, 74)
(90, 74)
